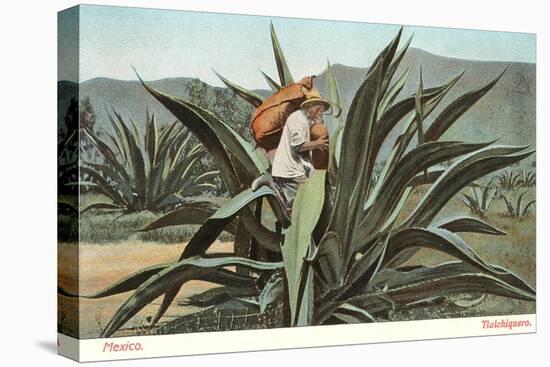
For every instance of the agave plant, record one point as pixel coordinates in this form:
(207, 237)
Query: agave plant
(345, 253)
(527, 179)
(515, 209)
(480, 200)
(508, 180)
(152, 171)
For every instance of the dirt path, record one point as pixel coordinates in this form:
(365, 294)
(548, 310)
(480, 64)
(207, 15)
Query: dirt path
(102, 265)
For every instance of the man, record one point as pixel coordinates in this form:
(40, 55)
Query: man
(292, 161)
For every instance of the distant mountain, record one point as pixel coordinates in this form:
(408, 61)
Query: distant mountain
(126, 96)
(506, 112)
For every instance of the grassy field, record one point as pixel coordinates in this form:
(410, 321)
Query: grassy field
(108, 226)
(112, 248)
(515, 251)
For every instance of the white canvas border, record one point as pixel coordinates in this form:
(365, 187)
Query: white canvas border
(104, 349)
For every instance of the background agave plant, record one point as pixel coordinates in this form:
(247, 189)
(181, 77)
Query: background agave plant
(344, 257)
(152, 171)
(515, 208)
(508, 180)
(480, 200)
(528, 179)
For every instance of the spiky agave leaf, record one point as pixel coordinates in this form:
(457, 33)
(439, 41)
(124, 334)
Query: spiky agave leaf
(151, 172)
(120, 140)
(469, 224)
(335, 124)
(360, 145)
(284, 72)
(298, 245)
(527, 207)
(424, 288)
(506, 180)
(366, 266)
(133, 281)
(356, 136)
(178, 273)
(396, 289)
(448, 278)
(421, 179)
(335, 97)
(430, 99)
(218, 138)
(470, 202)
(457, 108)
(460, 174)
(436, 239)
(400, 242)
(232, 153)
(527, 179)
(188, 213)
(151, 138)
(112, 177)
(109, 155)
(101, 206)
(272, 292)
(517, 211)
(387, 54)
(275, 87)
(394, 91)
(488, 195)
(172, 160)
(211, 229)
(178, 179)
(253, 98)
(129, 283)
(518, 204)
(218, 295)
(105, 187)
(419, 110)
(416, 161)
(136, 157)
(390, 93)
(480, 200)
(351, 314)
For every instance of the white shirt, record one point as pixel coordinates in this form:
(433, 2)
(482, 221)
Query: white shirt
(288, 161)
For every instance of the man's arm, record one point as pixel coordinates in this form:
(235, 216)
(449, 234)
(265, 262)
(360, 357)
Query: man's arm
(297, 131)
(321, 144)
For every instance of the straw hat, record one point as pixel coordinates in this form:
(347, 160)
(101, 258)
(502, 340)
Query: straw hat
(313, 96)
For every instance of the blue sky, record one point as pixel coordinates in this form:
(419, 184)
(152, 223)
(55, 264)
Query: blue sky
(163, 43)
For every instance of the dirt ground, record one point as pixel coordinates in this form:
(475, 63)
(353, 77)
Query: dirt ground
(101, 266)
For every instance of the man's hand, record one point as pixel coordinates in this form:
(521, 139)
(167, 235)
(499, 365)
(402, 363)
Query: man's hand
(320, 144)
